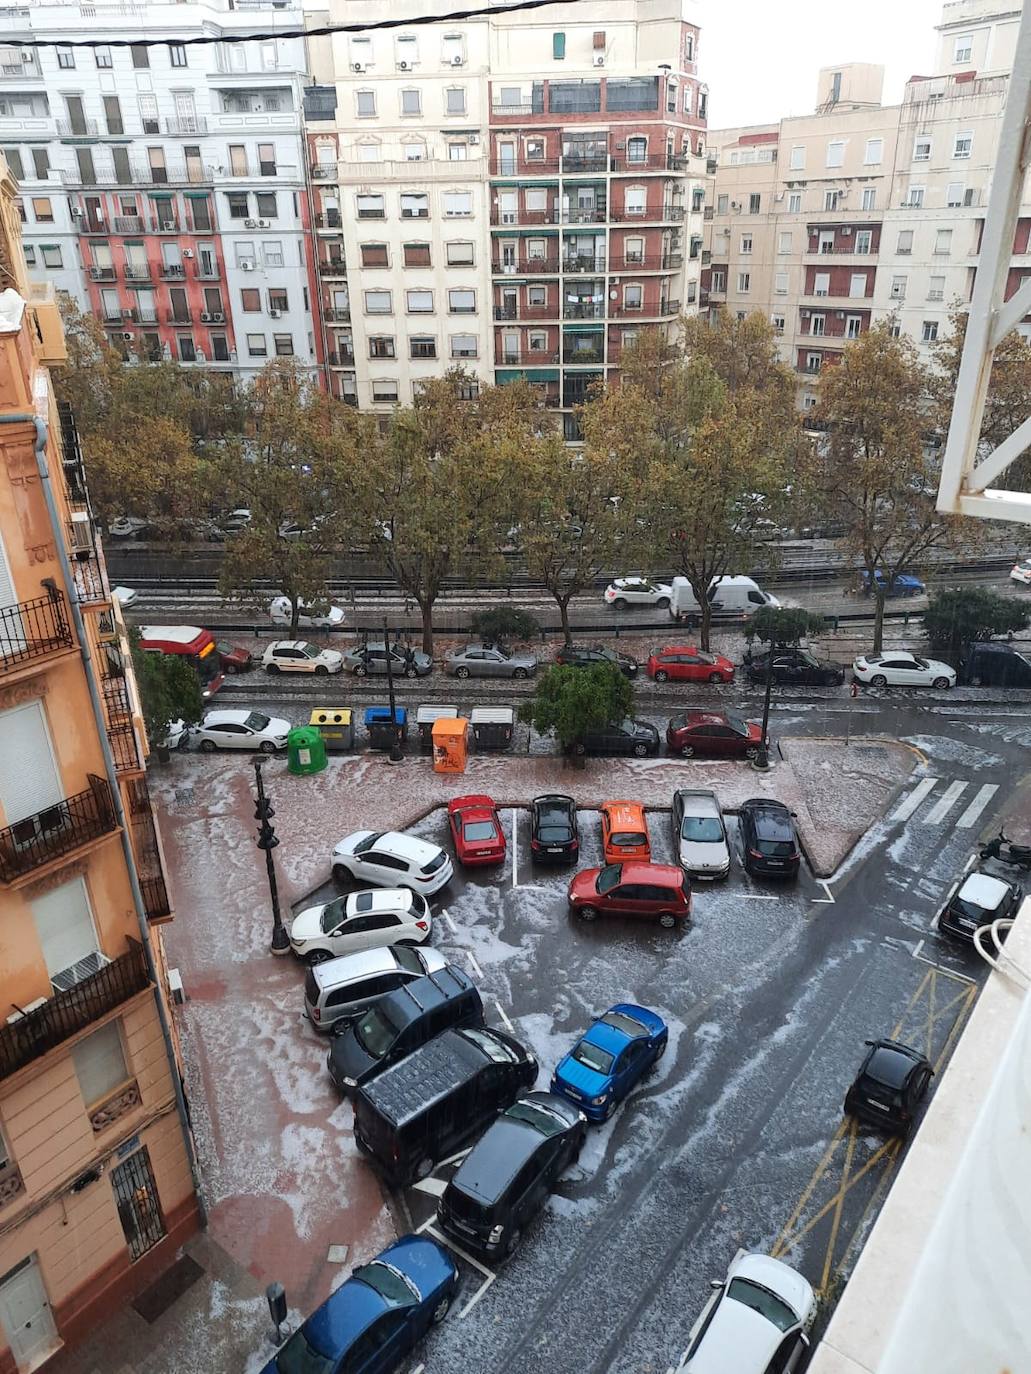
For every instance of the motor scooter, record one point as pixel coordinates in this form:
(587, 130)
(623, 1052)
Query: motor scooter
(1003, 849)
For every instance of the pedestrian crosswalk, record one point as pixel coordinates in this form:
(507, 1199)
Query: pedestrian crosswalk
(941, 807)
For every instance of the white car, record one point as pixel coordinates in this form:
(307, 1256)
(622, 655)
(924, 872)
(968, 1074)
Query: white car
(361, 920)
(637, 591)
(389, 858)
(125, 596)
(298, 656)
(242, 730)
(311, 617)
(699, 833)
(1021, 571)
(125, 526)
(756, 1321)
(902, 670)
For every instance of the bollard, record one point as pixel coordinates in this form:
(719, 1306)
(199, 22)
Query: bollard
(275, 1296)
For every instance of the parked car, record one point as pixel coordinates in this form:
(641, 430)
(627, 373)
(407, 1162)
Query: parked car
(125, 596)
(795, 667)
(769, 839)
(400, 1022)
(624, 832)
(610, 1059)
(755, 1322)
(899, 584)
(476, 830)
(713, 733)
(360, 920)
(229, 729)
(377, 1316)
(235, 658)
(588, 656)
(732, 598)
(554, 833)
(336, 991)
(298, 656)
(990, 664)
(637, 737)
(898, 669)
(178, 736)
(637, 591)
(889, 1087)
(685, 663)
(390, 858)
(980, 899)
(505, 1179)
(438, 1098)
(370, 660)
(489, 660)
(316, 616)
(236, 520)
(699, 833)
(126, 527)
(656, 892)
(1021, 571)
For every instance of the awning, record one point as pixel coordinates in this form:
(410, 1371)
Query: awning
(529, 374)
(535, 232)
(160, 195)
(598, 327)
(196, 195)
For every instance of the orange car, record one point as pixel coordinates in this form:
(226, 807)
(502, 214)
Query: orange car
(624, 832)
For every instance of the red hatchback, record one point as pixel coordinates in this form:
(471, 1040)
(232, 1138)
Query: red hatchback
(657, 892)
(713, 733)
(476, 831)
(685, 663)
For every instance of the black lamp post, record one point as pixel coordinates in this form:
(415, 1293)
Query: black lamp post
(396, 754)
(267, 840)
(762, 759)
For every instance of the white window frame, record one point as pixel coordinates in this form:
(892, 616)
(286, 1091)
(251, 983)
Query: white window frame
(746, 243)
(796, 161)
(817, 325)
(853, 326)
(835, 153)
(784, 241)
(419, 291)
(780, 284)
(795, 203)
(869, 197)
(873, 154)
(942, 242)
(965, 136)
(744, 282)
(821, 283)
(378, 291)
(456, 214)
(963, 47)
(929, 331)
(460, 261)
(922, 148)
(402, 95)
(954, 193)
(864, 236)
(861, 278)
(359, 93)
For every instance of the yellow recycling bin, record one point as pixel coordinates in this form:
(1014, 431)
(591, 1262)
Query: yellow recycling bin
(450, 745)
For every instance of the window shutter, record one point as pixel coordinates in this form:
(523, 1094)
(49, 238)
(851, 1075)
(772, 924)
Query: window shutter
(29, 780)
(64, 923)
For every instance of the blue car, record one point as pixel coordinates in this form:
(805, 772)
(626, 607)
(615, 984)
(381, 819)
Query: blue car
(901, 584)
(373, 1320)
(610, 1059)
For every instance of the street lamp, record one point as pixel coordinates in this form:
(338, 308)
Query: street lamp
(396, 754)
(762, 759)
(267, 840)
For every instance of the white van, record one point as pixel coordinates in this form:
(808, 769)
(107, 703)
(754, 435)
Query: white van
(731, 597)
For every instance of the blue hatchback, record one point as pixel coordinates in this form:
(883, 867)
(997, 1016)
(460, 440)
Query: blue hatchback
(610, 1059)
(901, 584)
(374, 1319)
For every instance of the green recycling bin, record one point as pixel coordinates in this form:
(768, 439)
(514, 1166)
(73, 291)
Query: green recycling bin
(306, 750)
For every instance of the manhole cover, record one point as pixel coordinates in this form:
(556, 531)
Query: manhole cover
(184, 798)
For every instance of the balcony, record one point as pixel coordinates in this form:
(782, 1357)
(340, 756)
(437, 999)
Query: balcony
(164, 226)
(328, 219)
(655, 162)
(535, 357)
(31, 631)
(121, 734)
(178, 317)
(323, 172)
(337, 314)
(595, 266)
(61, 829)
(186, 125)
(582, 355)
(647, 215)
(137, 271)
(88, 571)
(583, 310)
(66, 1013)
(102, 274)
(648, 262)
(173, 271)
(336, 268)
(147, 852)
(341, 359)
(77, 128)
(126, 224)
(532, 266)
(585, 214)
(140, 174)
(646, 311)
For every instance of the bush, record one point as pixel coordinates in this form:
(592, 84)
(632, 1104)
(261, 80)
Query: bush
(782, 624)
(501, 623)
(960, 615)
(572, 701)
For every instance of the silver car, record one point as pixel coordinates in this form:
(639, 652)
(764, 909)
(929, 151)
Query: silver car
(489, 660)
(370, 660)
(699, 833)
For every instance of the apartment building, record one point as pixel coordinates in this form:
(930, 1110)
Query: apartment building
(512, 196)
(164, 186)
(96, 1169)
(830, 222)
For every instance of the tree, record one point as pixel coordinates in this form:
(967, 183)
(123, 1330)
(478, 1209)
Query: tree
(706, 430)
(956, 616)
(573, 701)
(501, 623)
(870, 466)
(782, 624)
(169, 691)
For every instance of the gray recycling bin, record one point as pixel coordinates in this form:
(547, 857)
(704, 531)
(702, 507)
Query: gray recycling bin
(424, 718)
(493, 727)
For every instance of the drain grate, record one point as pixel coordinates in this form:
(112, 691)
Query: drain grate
(185, 797)
(154, 1301)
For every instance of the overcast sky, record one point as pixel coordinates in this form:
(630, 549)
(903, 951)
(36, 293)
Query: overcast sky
(760, 59)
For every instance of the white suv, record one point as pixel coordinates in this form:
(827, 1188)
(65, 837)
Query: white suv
(389, 858)
(361, 920)
(298, 656)
(637, 591)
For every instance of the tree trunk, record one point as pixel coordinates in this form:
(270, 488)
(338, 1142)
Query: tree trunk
(563, 613)
(878, 621)
(705, 623)
(427, 625)
(295, 612)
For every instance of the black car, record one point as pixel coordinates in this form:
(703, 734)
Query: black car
(995, 665)
(980, 899)
(581, 656)
(794, 667)
(889, 1086)
(638, 737)
(554, 835)
(771, 845)
(505, 1179)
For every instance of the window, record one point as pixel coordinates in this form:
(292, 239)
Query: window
(422, 346)
(66, 58)
(795, 203)
(898, 288)
(853, 326)
(857, 284)
(140, 55)
(778, 323)
(538, 340)
(149, 112)
(250, 300)
(943, 241)
(797, 162)
(378, 303)
(457, 152)
(459, 254)
(277, 299)
(416, 254)
(780, 284)
(284, 345)
(753, 203)
(419, 302)
(177, 53)
(461, 301)
(784, 242)
(42, 209)
(51, 255)
(99, 1063)
(187, 348)
(365, 103)
(813, 361)
(826, 240)
(272, 253)
(266, 204)
(635, 200)
(454, 100)
(452, 50)
(239, 204)
(869, 197)
(113, 114)
(406, 51)
(384, 390)
(381, 346)
(744, 281)
(922, 148)
(637, 149)
(915, 199)
(269, 56)
(267, 159)
(103, 56)
(746, 243)
(963, 144)
(936, 289)
(371, 207)
(954, 193)
(863, 243)
(415, 205)
(718, 281)
(836, 153)
(411, 101)
(558, 46)
(533, 149)
(929, 332)
(633, 250)
(414, 151)
(244, 252)
(457, 204)
(703, 107)
(830, 199)
(874, 151)
(822, 284)
(463, 346)
(13, 157)
(689, 47)
(818, 324)
(808, 401)
(905, 241)
(536, 296)
(722, 204)
(368, 150)
(40, 163)
(30, 255)
(963, 49)
(633, 297)
(374, 254)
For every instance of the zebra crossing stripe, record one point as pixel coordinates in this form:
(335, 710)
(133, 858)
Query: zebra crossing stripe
(981, 800)
(909, 804)
(950, 797)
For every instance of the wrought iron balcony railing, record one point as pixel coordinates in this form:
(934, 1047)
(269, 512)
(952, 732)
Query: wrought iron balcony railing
(58, 830)
(31, 630)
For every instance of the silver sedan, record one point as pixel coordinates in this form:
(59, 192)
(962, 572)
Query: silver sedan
(488, 660)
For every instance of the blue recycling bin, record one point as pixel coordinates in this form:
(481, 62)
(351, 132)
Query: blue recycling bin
(381, 729)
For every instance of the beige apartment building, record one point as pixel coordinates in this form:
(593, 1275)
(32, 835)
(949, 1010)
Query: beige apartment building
(831, 222)
(96, 1171)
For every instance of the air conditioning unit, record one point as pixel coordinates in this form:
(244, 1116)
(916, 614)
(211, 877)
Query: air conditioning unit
(457, 61)
(27, 1010)
(127, 313)
(187, 252)
(85, 968)
(275, 314)
(735, 205)
(76, 214)
(169, 225)
(473, 140)
(804, 314)
(599, 59)
(357, 66)
(839, 314)
(264, 223)
(217, 317)
(846, 229)
(127, 335)
(205, 318)
(778, 197)
(247, 265)
(250, 224)
(508, 269)
(404, 66)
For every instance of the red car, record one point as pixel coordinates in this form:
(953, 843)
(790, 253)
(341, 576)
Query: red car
(685, 663)
(657, 892)
(712, 732)
(476, 831)
(234, 658)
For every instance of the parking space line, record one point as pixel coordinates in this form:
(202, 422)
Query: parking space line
(489, 1275)
(759, 896)
(950, 797)
(515, 851)
(504, 1016)
(824, 901)
(445, 916)
(981, 799)
(909, 804)
(473, 964)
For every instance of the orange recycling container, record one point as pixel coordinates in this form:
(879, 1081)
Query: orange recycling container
(450, 745)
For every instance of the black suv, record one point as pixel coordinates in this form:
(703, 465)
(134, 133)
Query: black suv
(794, 667)
(638, 737)
(505, 1179)
(980, 899)
(995, 665)
(554, 836)
(581, 656)
(889, 1086)
(771, 846)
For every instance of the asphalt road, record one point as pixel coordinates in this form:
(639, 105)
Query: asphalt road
(769, 992)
